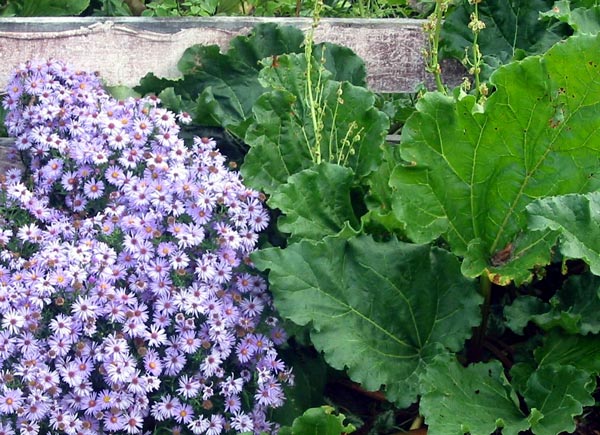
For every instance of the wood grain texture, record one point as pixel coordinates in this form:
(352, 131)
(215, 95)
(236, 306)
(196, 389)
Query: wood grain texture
(123, 50)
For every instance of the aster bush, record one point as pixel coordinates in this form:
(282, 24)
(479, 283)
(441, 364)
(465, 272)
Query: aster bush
(127, 298)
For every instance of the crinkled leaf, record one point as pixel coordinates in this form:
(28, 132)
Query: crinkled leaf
(581, 19)
(381, 309)
(315, 202)
(513, 262)
(577, 217)
(282, 136)
(330, 61)
(557, 394)
(224, 80)
(278, 150)
(321, 421)
(520, 373)
(474, 170)
(343, 64)
(151, 84)
(579, 351)
(579, 302)
(268, 39)
(451, 394)
(575, 308)
(513, 29)
(523, 310)
(378, 199)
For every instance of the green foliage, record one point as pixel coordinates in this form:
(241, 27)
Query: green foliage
(451, 391)
(575, 308)
(474, 169)
(33, 8)
(577, 217)
(379, 218)
(191, 8)
(369, 311)
(583, 19)
(109, 8)
(348, 132)
(555, 395)
(316, 202)
(320, 421)
(580, 351)
(512, 31)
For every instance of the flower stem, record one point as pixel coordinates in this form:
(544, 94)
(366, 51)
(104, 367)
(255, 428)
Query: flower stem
(315, 150)
(433, 28)
(485, 288)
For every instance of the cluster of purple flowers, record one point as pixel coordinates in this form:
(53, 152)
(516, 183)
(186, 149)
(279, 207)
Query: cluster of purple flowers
(127, 296)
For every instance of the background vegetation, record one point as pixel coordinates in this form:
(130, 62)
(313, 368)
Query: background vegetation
(451, 280)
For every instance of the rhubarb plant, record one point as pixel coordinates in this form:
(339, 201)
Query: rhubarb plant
(462, 271)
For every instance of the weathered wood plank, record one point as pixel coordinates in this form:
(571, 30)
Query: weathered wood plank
(123, 50)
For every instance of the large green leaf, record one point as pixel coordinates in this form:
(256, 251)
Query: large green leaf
(577, 217)
(283, 139)
(579, 301)
(475, 168)
(316, 202)
(227, 85)
(555, 394)
(383, 310)
(512, 29)
(477, 399)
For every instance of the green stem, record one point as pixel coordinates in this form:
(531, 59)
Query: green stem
(485, 286)
(436, 70)
(476, 56)
(311, 100)
(361, 9)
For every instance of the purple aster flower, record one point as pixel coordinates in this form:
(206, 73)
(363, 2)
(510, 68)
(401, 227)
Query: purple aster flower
(183, 413)
(93, 189)
(10, 400)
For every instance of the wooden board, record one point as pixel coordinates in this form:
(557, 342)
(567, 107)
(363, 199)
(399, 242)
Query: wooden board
(123, 50)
